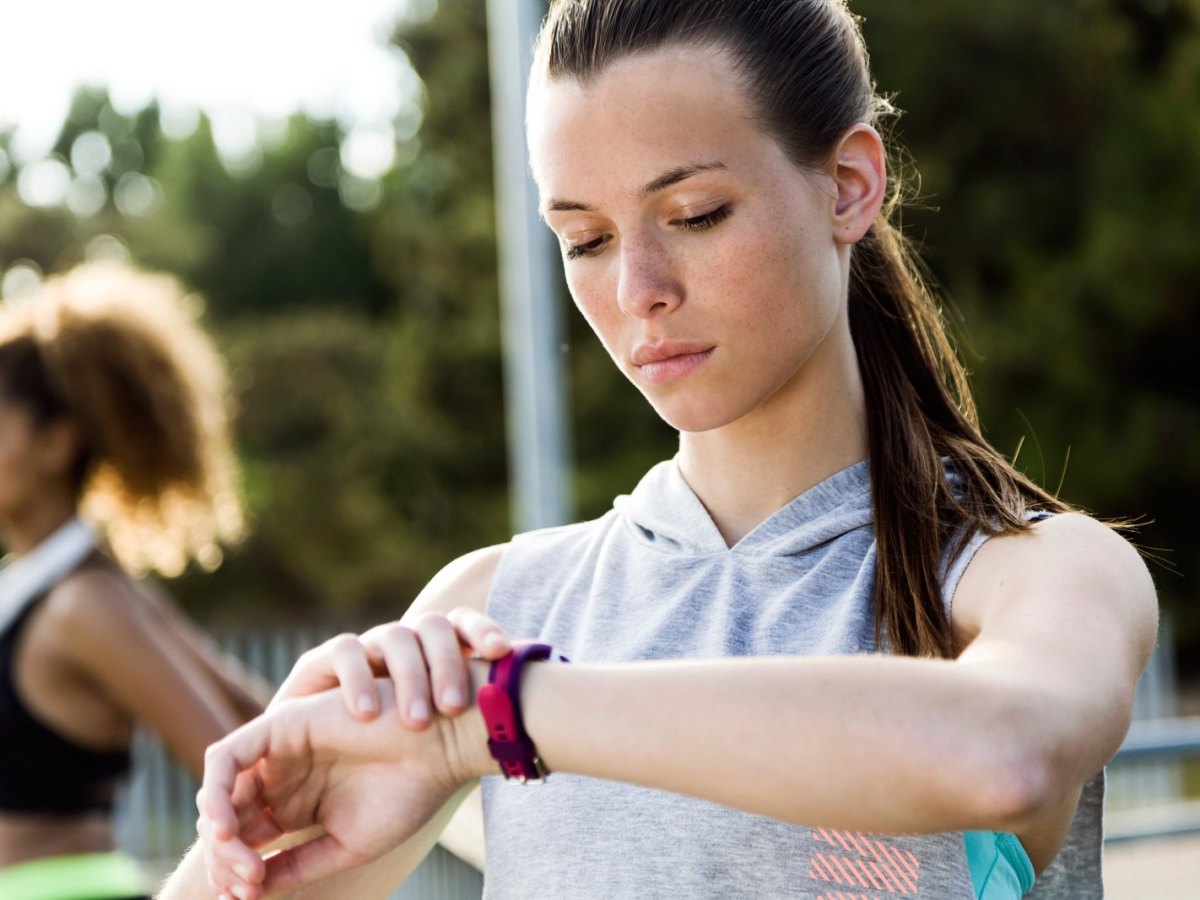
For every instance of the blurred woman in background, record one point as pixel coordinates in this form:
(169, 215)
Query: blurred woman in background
(115, 461)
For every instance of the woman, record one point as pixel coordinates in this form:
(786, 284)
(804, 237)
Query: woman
(112, 422)
(712, 171)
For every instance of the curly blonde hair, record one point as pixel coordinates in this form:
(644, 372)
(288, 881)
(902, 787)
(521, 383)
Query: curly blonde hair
(120, 352)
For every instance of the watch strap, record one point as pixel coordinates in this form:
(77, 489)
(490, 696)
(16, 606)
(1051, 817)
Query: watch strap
(500, 705)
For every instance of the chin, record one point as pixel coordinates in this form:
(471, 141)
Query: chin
(693, 417)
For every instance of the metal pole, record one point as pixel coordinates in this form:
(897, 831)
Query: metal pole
(535, 381)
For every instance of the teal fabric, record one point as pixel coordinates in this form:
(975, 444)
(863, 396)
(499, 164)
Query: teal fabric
(1000, 867)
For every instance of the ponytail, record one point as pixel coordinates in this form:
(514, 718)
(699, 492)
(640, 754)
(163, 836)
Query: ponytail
(934, 480)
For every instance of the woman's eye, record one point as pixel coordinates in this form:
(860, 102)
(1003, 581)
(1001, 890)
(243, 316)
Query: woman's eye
(708, 220)
(585, 249)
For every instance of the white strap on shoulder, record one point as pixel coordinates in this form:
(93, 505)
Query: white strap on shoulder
(27, 577)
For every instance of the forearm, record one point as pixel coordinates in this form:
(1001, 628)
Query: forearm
(188, 881)
(243, 689)
(871, 743)
(246, 690)
(463, 835)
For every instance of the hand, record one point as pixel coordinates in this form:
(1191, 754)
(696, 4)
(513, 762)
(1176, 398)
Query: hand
(426, 661)
(307, 762)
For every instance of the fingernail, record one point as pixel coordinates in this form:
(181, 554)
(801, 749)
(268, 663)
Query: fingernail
(242, 871)
(366, 703)
(239, 891)
(419, 710)
(452, 696)
(493, 642)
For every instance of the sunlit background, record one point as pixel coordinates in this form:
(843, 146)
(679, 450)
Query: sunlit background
(248, 66)
(321, 176)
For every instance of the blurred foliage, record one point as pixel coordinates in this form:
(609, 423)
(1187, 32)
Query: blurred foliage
(1058, 149)
(1057, 146)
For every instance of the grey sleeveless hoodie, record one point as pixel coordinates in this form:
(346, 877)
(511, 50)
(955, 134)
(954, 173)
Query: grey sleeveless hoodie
(654, 579)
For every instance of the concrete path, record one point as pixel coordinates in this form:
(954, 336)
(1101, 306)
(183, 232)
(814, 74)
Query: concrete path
(1157, 869)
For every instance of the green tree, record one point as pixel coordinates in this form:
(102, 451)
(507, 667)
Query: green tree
(1057, 145)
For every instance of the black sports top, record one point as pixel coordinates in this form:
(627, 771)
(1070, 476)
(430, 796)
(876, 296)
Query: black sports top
(40, 770)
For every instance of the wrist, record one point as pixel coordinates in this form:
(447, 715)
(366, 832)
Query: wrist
(466, 734)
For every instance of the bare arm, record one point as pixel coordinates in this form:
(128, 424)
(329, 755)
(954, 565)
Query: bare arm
(113, 639)
(1060, 624)
(248, 692)
(1064, 620)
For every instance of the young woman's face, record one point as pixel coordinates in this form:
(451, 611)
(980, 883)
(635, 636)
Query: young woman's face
(21, 471)
(702, 257)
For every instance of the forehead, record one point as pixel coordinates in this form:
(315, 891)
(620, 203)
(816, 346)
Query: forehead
(642, 115)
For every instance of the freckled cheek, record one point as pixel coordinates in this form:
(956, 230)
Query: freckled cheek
(761, 277)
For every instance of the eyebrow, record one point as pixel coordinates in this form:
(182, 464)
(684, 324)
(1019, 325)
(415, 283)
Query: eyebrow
(667, 179)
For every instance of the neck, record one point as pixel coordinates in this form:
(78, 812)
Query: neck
(814, 426)
(24, 531)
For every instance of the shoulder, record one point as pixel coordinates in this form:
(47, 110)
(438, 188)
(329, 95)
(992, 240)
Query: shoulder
(468, 580)
(1068, 545)
(568, 541)
(94, 607)
(1066, 558)
(92, 595)
(464, 582)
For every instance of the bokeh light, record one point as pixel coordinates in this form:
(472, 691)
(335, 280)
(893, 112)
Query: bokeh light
(107, 248)
(86, 196)
(20, 281)
(91, 153)
(44, 183)
(137, 195)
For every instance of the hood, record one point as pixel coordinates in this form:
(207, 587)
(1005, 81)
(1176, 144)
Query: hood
(665, 513)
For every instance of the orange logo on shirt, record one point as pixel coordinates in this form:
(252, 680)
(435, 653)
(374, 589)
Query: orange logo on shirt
(855, 862)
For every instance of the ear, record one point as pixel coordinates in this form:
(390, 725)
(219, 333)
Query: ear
(859, 166)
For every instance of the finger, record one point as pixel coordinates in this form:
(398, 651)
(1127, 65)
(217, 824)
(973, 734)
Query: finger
(248, 809)
(480, 632)
(229, 864)
(443, 656)
(312, 674)
(223, 762)
(352, 669)
(406, 665)
(372, 641)
(229, 874)
(344, 661)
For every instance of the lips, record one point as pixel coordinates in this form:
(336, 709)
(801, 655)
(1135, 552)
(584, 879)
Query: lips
(667, 361)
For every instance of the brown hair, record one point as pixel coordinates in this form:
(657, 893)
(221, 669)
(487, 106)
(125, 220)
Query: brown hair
(118, 352)
(804, 67)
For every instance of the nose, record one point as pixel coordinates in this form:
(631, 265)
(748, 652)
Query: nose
(647, 284)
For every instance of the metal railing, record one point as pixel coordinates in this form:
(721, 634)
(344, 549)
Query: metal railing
(1161, 738)
(1152, 745)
